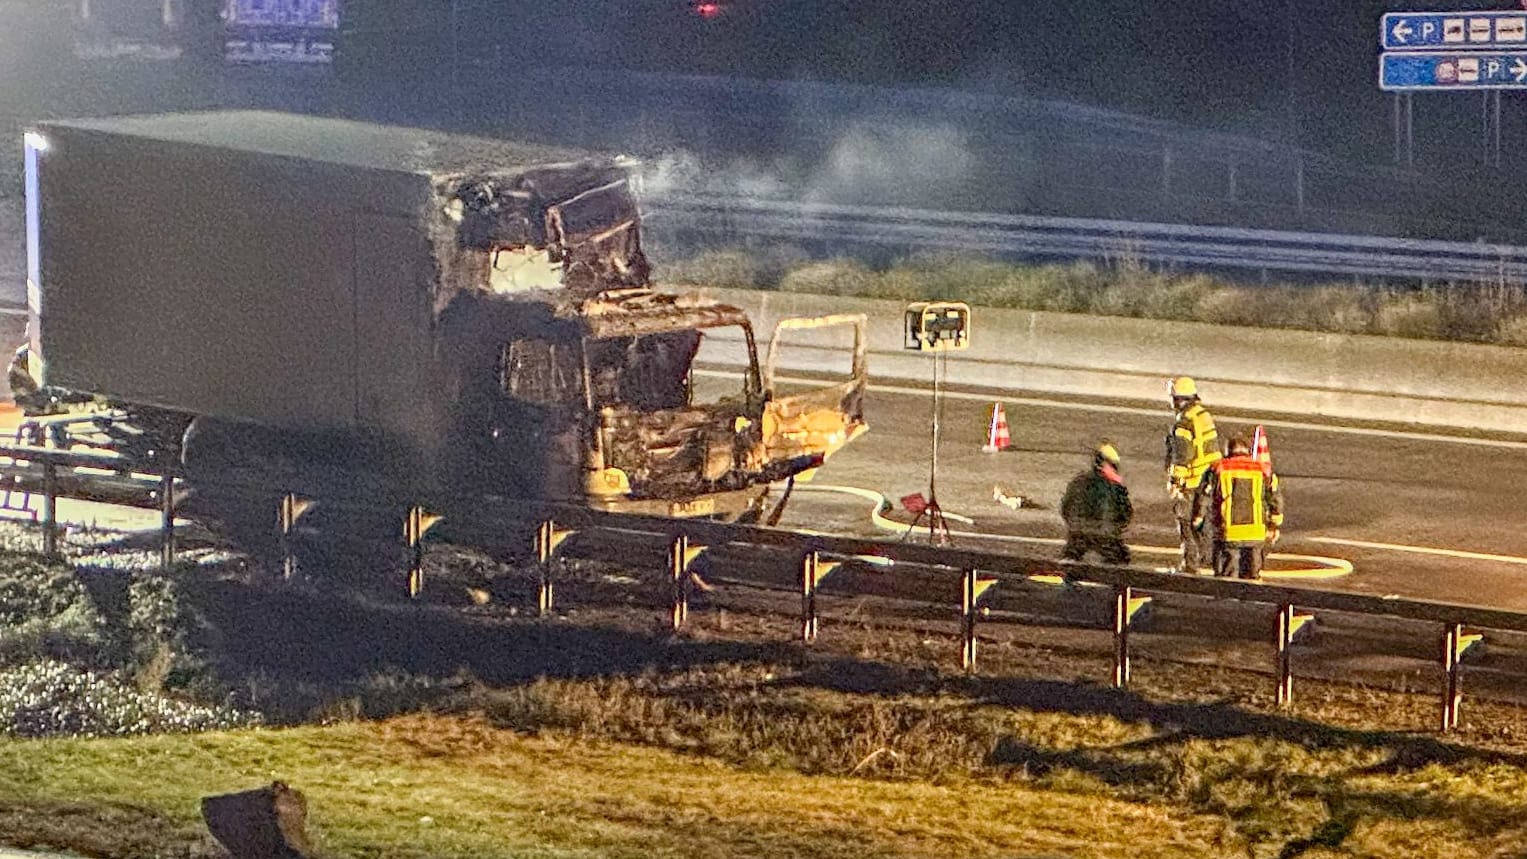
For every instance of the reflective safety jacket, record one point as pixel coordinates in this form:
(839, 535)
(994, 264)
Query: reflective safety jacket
(1191, 447)
(1240, 500)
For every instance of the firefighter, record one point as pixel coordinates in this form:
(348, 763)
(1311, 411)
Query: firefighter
(1096, 509)
(1192, 446)
(1240, 505)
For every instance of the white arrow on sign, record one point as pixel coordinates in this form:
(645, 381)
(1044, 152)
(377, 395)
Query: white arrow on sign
(1519, 70)
(1402, 31)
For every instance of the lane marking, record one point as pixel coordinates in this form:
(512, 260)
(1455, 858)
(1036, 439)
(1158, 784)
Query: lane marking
(1162, 413)
(1320, 567)
(1423, 550)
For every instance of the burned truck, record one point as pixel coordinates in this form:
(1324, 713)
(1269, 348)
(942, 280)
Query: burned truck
(344, 310)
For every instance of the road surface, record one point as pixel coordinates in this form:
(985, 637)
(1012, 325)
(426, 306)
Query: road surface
(1417, 513)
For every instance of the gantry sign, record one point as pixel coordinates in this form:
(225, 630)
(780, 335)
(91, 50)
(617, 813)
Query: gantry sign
(1453, 50)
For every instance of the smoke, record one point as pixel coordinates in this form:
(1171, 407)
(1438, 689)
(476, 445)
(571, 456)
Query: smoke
(905, 165)
(866, 163)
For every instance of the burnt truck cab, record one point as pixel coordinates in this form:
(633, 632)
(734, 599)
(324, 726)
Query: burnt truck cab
(580, 382)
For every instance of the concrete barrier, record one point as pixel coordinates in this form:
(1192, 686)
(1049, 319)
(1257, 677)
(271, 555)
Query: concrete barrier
(1352, 377)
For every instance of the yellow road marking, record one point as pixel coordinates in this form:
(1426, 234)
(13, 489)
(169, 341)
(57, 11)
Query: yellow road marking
(1320, 567)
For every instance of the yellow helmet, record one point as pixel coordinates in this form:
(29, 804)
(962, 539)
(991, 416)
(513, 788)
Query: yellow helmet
(1183, 387)
(1108, 453)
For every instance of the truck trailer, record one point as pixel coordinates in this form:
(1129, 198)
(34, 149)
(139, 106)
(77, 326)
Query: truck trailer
(298, 305)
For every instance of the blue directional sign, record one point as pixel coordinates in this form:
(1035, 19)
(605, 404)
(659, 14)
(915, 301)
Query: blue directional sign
(1453, 31)
(1439, 71)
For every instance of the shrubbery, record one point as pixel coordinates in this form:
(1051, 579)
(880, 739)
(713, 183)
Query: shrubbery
(68, 667)
(48, 698)
(1479, 313)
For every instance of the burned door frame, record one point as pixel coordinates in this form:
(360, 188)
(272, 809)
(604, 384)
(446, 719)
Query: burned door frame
(819, 420)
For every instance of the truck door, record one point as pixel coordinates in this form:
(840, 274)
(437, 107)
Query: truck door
(799, 417)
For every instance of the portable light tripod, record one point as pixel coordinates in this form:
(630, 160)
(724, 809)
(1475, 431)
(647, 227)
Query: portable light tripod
(937, 327)
(938, 529)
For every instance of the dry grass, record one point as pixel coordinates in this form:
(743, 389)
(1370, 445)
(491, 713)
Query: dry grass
(725, 743)
(1124, 286)
(443, 788)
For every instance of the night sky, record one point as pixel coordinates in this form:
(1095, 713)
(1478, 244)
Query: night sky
(1212, 63)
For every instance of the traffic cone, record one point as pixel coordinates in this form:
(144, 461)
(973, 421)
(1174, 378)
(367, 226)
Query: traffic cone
(997, 436)
(1260, 451)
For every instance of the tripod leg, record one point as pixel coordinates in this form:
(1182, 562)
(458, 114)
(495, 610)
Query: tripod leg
(913, 526)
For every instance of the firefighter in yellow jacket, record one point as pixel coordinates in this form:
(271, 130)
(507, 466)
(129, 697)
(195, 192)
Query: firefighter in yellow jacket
(1192, 447)
(1240, 505)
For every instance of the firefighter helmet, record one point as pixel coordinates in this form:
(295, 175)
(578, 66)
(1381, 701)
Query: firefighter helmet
(1183, 387)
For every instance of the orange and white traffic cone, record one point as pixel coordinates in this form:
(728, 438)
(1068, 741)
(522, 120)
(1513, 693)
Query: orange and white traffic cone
(1260, 450)
(997, 436)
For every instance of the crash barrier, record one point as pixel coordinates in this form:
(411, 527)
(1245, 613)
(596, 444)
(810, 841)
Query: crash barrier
(1263, 371)
(968, 579)
(1041, 237)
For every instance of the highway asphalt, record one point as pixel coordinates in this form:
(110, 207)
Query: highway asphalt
(1417, 513)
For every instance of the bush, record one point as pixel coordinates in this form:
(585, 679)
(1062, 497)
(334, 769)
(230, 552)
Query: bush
(727, 269)
(46, 612)
(170, 639)
(1511, 331)
(48, 698)
(835, 277)
(1127, 287)
(1409, 315)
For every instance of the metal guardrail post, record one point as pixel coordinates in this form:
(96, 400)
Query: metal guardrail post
(1453, 679)
(678, 575)
(1285, 656)
(415, 526)
(1455, 643)
(972, 587)
(813, 571)
(1122, 596)
(166, 521)
(50, 509)
(1299, 188)
(548, 539)
(809, 563)
(288, 512)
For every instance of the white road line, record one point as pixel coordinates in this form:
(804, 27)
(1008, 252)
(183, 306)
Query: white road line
(1164, 414)
(1422, 550)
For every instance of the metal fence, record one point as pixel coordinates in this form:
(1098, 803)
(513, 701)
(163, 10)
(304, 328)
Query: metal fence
(969, 581)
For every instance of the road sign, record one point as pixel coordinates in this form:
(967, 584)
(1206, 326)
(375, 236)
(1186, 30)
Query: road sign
(1444, 71)
(1453, 31)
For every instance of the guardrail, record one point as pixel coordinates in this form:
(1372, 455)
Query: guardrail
(972, 580)
(1032, 236)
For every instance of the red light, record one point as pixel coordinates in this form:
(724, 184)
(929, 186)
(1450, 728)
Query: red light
(708, 9)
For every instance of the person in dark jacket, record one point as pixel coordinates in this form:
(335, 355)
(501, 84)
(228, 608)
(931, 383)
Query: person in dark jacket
(1096, 509)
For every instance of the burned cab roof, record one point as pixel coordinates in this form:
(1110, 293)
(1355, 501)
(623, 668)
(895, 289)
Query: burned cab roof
(634, 312)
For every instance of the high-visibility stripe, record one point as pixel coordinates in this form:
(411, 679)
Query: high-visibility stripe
(1242, 498)
(1197, 431)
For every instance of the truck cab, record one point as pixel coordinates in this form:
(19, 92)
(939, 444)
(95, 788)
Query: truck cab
(655, 403)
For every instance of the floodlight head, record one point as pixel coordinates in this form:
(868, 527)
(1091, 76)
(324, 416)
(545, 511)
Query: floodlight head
(937, 326)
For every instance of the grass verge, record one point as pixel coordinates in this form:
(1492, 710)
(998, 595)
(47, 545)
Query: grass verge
(597, 734)
(1476, 313)
(459, 786)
